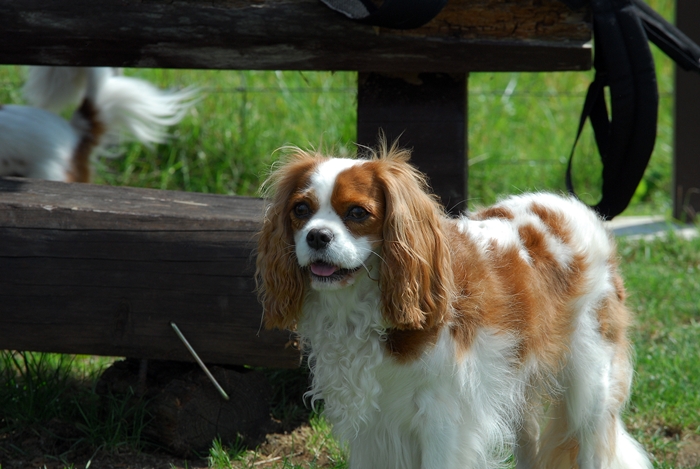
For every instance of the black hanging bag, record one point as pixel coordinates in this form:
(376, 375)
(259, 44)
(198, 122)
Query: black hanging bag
(623, 62)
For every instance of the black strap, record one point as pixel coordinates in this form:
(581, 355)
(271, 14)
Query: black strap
(625, 141)
(623, 62)
(396, 14)
(596, 109)
(668, 38)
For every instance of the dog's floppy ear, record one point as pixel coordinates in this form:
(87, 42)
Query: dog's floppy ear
(280, 282)
(416, 278)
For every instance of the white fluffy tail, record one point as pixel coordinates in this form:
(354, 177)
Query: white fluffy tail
(629, 454)
(126, 108)
(133, 109)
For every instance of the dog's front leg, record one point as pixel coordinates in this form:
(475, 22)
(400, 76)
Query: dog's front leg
(380, 447)
(439, 446)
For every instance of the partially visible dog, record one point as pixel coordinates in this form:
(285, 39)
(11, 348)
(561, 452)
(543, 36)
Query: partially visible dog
(37, 143)
(439, 343)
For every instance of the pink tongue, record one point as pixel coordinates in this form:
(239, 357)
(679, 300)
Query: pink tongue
(322, 270)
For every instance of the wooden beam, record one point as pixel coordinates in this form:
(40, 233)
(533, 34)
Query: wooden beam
(102, 270)
(485, 35)
(427, 113)
(686, 171)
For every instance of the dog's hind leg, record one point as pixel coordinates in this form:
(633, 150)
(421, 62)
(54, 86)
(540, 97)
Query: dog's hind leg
(528, 435)
(585, 426)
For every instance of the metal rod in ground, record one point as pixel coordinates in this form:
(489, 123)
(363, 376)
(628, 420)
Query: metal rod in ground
(199, 361)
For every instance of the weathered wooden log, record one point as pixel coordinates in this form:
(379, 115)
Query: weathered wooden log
(468, 35)
(104, 270)
(186, 410)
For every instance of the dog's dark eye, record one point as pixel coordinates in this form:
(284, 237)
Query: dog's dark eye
(302, 210)
(357, 214)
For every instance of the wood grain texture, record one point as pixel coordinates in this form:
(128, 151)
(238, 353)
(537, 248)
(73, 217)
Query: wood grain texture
(469, 35)
(102, 270)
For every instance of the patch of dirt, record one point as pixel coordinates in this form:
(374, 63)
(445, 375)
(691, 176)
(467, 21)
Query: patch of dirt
(38, 449)
(59, 444)
(689, 452)
(672, 444)
(297, 447)
(119, 460)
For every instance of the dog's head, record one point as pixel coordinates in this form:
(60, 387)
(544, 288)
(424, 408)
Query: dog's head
(332, 220)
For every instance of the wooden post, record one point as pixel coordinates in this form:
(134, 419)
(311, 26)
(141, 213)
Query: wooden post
(686, 171)
(427, 112)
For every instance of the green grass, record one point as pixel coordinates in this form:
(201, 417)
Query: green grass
(51, 397)
(663, 279)
(224, 456)
(227, 143)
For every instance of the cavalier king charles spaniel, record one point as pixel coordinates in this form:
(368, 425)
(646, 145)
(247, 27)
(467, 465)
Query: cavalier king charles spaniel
(440, 343)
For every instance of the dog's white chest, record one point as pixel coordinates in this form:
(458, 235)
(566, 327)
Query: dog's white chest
(346, 350)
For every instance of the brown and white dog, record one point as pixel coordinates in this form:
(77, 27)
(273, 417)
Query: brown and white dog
(441, 343)
(35, 142)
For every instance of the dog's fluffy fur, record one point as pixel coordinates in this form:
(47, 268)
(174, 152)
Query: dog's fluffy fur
(37, 143)
(440, 343)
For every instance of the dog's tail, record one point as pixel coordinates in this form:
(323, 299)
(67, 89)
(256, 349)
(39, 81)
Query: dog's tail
(629, 454)
(133, 109)
(113, 108)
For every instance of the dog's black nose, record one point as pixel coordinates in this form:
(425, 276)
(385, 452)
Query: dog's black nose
(319, 238)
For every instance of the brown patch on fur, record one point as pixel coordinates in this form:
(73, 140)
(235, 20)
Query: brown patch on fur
(479, 293)
(493, 212)
(551, 288)
(280, 282)
(619, 284)
(80, 165)
(613, 316)
(535, 242)
(359, 186)
(502, 290)
(408, 345)
(553, 220)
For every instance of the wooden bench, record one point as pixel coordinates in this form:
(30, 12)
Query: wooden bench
(104, 270)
